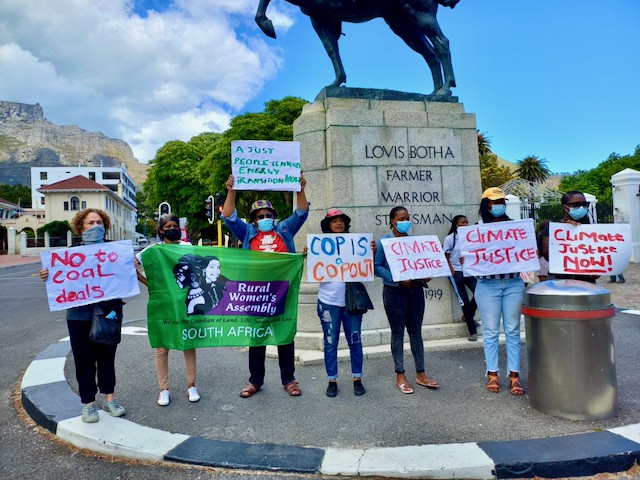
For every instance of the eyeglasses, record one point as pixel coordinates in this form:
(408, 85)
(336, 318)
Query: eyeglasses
(578, 204)
(264, 215)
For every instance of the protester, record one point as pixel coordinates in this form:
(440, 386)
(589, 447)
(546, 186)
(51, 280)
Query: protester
(620, 277)
(500, 296)
(262, 234)
(169, 233)
(90, 358)
(404, 305)
(543, 251)
(333, 312)
(451, 248)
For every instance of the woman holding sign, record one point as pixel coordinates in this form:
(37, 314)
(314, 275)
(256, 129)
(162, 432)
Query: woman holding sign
(169, 233)
(333, 313)
(263, 234)
(500, 296)
(404, 306)
(90, 358)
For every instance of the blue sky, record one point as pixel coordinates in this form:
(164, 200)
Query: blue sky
(560, 80)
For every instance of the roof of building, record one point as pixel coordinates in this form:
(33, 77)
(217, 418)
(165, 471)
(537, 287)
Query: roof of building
(8, 203)
(75, 184)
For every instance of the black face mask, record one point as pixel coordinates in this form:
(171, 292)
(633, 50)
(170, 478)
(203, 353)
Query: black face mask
(172, 234)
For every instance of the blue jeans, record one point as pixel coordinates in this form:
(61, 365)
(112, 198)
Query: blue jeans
(331, 317)
(500, 297)
(405, 309)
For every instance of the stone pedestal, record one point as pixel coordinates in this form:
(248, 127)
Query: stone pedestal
(367, 155)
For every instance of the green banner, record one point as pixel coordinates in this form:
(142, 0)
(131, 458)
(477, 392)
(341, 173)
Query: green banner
(220, 297)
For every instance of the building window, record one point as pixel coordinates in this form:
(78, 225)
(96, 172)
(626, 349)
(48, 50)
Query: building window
(41, 200)
(43, 175)
(92, 176)
(111, 175)
(83, 205)
(75, 203)
(66, 206)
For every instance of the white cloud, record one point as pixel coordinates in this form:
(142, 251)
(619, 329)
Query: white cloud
(169, 75)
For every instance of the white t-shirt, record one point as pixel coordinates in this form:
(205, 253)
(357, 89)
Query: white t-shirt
(453, 251)
(332, 293)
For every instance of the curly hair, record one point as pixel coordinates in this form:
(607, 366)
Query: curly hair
(78, 219)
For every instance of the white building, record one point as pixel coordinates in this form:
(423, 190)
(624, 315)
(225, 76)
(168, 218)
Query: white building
(110, 177)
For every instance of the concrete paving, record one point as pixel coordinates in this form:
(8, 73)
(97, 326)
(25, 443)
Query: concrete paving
(457, 431)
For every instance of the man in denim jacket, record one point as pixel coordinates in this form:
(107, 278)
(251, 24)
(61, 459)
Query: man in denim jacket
(262, 234)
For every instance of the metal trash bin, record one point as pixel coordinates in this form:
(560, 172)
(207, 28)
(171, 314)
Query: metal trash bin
(572, 370)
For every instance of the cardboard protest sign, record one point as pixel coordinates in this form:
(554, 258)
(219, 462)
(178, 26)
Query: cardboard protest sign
(500, 247)
(89, 274)
(343, 257)
(415, 258)
(215, 296)
(265, 165)
(599, 249)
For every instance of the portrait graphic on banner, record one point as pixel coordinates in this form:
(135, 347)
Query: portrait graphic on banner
(500, 247)
(598, 249)
(89, 274)
(265, 165)
(415, 257)
(214, 296)
(346, 257)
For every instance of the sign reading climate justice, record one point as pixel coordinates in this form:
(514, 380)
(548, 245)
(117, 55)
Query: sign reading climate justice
(415, 258)
(500, 247)
(343, 258)
(599, 249)
(265, 165)
(89, 274)
(215, 296)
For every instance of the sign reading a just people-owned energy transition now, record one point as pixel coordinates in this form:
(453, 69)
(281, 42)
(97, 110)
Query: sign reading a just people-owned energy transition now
(265, 165)
(89, 274)
(214, 296)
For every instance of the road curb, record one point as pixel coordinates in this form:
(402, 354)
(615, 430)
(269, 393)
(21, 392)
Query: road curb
(49, 400)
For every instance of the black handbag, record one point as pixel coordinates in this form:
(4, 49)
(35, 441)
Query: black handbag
(357, 299)
(106, 323)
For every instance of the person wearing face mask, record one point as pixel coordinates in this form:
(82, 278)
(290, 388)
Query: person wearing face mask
(500, 297)
(404, 305)
(576, 212)
(262, 234)
(169, 233)
(91, 359)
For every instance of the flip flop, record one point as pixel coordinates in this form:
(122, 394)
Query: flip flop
(249, 390)
(429, 384)
(293, 389)
(405, 388)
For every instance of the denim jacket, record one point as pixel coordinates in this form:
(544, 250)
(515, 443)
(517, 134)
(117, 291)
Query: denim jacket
(285, 228)
(381, 266)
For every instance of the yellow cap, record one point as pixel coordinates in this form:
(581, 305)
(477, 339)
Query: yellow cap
(493, 193)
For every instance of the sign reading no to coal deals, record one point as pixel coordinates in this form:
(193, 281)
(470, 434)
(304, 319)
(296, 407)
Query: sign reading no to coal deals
(265, 165)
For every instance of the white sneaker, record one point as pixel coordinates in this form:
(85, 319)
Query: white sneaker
(163, 399)
(193, 394)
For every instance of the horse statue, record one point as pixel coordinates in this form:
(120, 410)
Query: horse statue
(414, 21)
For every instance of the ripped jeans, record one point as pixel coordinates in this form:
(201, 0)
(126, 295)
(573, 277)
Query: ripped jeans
(331, 317)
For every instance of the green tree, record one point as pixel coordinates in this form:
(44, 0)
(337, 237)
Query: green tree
(484, 144)
(57, 232)
(18, 194)
(532, 168)
(492, 174)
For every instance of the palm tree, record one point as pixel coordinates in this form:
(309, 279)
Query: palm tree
(533, 169)
(484, 143)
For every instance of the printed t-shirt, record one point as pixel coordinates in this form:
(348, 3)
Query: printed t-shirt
(268, 242)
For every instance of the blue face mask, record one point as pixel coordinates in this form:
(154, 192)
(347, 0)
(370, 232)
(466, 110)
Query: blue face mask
(93, 235)
(403, 226)
(578, 213)
(498, 210)
(265, 224)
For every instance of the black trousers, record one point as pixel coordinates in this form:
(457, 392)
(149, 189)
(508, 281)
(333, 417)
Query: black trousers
(91, 359)
(286, 360)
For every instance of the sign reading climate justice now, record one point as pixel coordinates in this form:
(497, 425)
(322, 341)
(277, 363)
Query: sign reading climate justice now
(343, 257)
(215, 296)
(500, 247)
(89, 274)
(265, 165)
(415, 258)
(599, 249)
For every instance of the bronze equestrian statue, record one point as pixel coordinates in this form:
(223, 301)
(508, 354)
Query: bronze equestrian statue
(412, 20)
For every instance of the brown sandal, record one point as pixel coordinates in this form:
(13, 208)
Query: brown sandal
(293, 389)
(493, 385)
(515, 387)
(249, 390)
